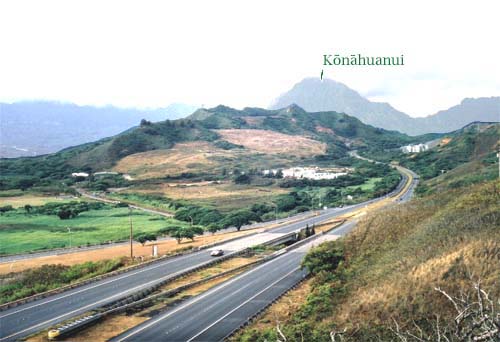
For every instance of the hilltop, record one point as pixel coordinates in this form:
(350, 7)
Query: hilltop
(328, 135)
(324, 95)
(380, 281)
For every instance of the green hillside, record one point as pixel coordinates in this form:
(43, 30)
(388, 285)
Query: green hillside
(339, 131)
(379, 282)
(477, 142)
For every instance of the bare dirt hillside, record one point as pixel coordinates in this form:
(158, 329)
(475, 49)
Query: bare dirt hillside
(273, 142)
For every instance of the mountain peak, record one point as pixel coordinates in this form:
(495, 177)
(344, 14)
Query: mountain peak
(315, 95)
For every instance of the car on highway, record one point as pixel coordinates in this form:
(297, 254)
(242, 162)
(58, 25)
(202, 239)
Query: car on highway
(217, 252)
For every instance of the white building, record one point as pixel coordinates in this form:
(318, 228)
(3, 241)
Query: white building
(79, 174)
(104, 173)
(415, 148)
(310, 173)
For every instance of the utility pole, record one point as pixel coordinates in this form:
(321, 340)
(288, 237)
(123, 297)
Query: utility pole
(69, 231)
(131, 233)
(498, 155)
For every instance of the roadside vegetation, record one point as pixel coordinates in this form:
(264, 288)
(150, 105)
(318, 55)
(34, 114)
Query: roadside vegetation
(47, 277)
(380, 281)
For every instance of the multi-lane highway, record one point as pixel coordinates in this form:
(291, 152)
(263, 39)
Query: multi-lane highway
(214, 314)
(23, 320)
(28, 318)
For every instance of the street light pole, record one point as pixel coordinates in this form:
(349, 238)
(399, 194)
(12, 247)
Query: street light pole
(131, 233)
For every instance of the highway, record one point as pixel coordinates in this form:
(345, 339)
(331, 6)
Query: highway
(61, 251)
(214, 314)
(28, 318)
(25, 319)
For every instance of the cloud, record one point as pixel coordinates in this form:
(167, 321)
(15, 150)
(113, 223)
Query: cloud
(152, 53)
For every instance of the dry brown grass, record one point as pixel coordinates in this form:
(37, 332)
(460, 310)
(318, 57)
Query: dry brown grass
(322, 129)
(444, 141)
(109, 328)
(21, 201)
(167, 246)
(281, 311)
(183, 157)
(211, 190)
(438, 242)
(273, 142)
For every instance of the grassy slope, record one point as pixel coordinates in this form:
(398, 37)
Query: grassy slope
(337, 130)
(394, 260)
(474, 143)
(20, 232)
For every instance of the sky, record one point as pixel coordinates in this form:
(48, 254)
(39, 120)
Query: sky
(245, 53)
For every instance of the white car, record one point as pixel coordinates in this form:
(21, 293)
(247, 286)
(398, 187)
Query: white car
(217, 252)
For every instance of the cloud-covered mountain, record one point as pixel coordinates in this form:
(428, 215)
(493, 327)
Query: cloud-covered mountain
(315, 95)
(39, 127)
(485, 109)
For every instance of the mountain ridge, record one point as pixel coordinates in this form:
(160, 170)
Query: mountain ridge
(323, 95)
(38, 127)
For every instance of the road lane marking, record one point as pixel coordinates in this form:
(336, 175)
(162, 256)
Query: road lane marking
(98, 302)
(200, 297)
(126, 275)
(244, 303)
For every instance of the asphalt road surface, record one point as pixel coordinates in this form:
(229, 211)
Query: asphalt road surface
(214, 314)
(25, 319)
(28, 318)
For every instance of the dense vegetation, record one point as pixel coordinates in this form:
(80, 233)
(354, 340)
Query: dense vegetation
(337, 130)
(387, 269)
(474, 142)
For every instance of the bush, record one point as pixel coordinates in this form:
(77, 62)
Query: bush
(6, 208)
(48, 277)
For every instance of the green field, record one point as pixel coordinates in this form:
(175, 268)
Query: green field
(20, 232)
(367, 186)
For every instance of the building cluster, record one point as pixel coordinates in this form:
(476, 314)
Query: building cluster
(308, 173)
(85, 174)
(414, 148)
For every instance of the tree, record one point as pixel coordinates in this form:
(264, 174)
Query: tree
(239, 218)
(142, 238)
(242, 179)
(180, 233)
(65, 214)
(25, 183)
(6, 208)
(325, 257)
(145, 122)
(213, 228)
(28, 208)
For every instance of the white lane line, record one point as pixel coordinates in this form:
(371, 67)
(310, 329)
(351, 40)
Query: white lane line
(242, 304)
(95, 303)
(197, 299)
(126, 275)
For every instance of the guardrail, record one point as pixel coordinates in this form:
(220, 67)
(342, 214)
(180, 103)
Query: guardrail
(68, 287)
(254, 316)
(143, 296)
